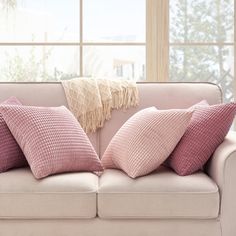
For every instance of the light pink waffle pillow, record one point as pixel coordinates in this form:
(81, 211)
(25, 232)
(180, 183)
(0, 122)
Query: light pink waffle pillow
(51, 139)
(11, 155)
(145, 141)
(206, 131)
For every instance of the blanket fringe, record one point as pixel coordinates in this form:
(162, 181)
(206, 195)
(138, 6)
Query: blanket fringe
(92, 100)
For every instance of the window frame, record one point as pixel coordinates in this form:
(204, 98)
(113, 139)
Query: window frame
(81, 44)
(157, 48)
(217, 44)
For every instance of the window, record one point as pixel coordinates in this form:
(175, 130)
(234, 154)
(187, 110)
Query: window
(149, 40)
(201, 38)
(48, 40)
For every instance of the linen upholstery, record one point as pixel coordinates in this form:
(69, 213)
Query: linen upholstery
(221, 169)
(71, 195)
(103, 227)
(52, 94)
(164, 96)
(40, 94)
(161, 194)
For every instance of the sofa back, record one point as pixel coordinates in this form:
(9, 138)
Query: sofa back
(161, 95)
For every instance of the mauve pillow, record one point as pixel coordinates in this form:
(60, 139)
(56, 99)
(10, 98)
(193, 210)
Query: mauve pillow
(51, 139)
(145, 141)
(207, 129)
(11, 155)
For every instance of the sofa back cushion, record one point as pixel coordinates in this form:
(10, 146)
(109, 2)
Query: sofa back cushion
(146, 140)
(161, 95)
(40, 94)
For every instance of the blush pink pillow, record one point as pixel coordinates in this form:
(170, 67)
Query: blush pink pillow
(207, 129)
(51, 139)
(11, 155)
(145, 141)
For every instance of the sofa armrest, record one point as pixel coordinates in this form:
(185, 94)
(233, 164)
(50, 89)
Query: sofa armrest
(222, 169)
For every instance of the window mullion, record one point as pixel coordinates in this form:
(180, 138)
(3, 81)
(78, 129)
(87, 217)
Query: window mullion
(234, 53)
(157, 39)
(81, 38)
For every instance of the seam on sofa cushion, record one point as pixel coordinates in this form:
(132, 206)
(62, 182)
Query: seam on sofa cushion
(45, 217)
(162, 193)
(62, 193)
(102, 216)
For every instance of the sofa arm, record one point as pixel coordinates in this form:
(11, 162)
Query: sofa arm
(222, 169)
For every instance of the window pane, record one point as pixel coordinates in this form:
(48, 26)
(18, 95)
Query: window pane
(204, 63)
(114, 21)
(41, 20)
(201, 20)
(38, 63)
(111, 61)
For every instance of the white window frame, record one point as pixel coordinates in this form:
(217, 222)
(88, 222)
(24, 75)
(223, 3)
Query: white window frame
(157, 41)
(81, 44)
(157, 58)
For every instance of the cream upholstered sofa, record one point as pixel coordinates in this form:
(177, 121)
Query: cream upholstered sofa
(160, 204)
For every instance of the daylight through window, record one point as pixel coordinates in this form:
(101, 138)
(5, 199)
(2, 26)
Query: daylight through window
(49, 40)
(202, 42)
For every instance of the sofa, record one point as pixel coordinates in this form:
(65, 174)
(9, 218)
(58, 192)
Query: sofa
(113, 204)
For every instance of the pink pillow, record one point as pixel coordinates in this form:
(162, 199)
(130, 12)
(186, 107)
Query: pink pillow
(145, 141)
(202, 103)
(207, 129)
(51, 139)
(11, 155)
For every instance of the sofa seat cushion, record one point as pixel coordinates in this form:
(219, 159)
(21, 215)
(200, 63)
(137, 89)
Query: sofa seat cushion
(162, 194)
(71, 195)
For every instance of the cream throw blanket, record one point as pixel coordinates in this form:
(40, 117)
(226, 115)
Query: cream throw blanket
(92, 100)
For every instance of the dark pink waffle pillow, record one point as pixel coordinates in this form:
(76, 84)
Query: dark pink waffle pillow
(11, 155)
(207, 129)
(51, 139)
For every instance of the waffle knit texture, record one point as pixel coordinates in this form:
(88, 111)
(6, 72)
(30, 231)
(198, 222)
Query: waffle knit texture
(51, 139)
(206, 131)
(11, 155)
(92, 100)
(145, 141)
